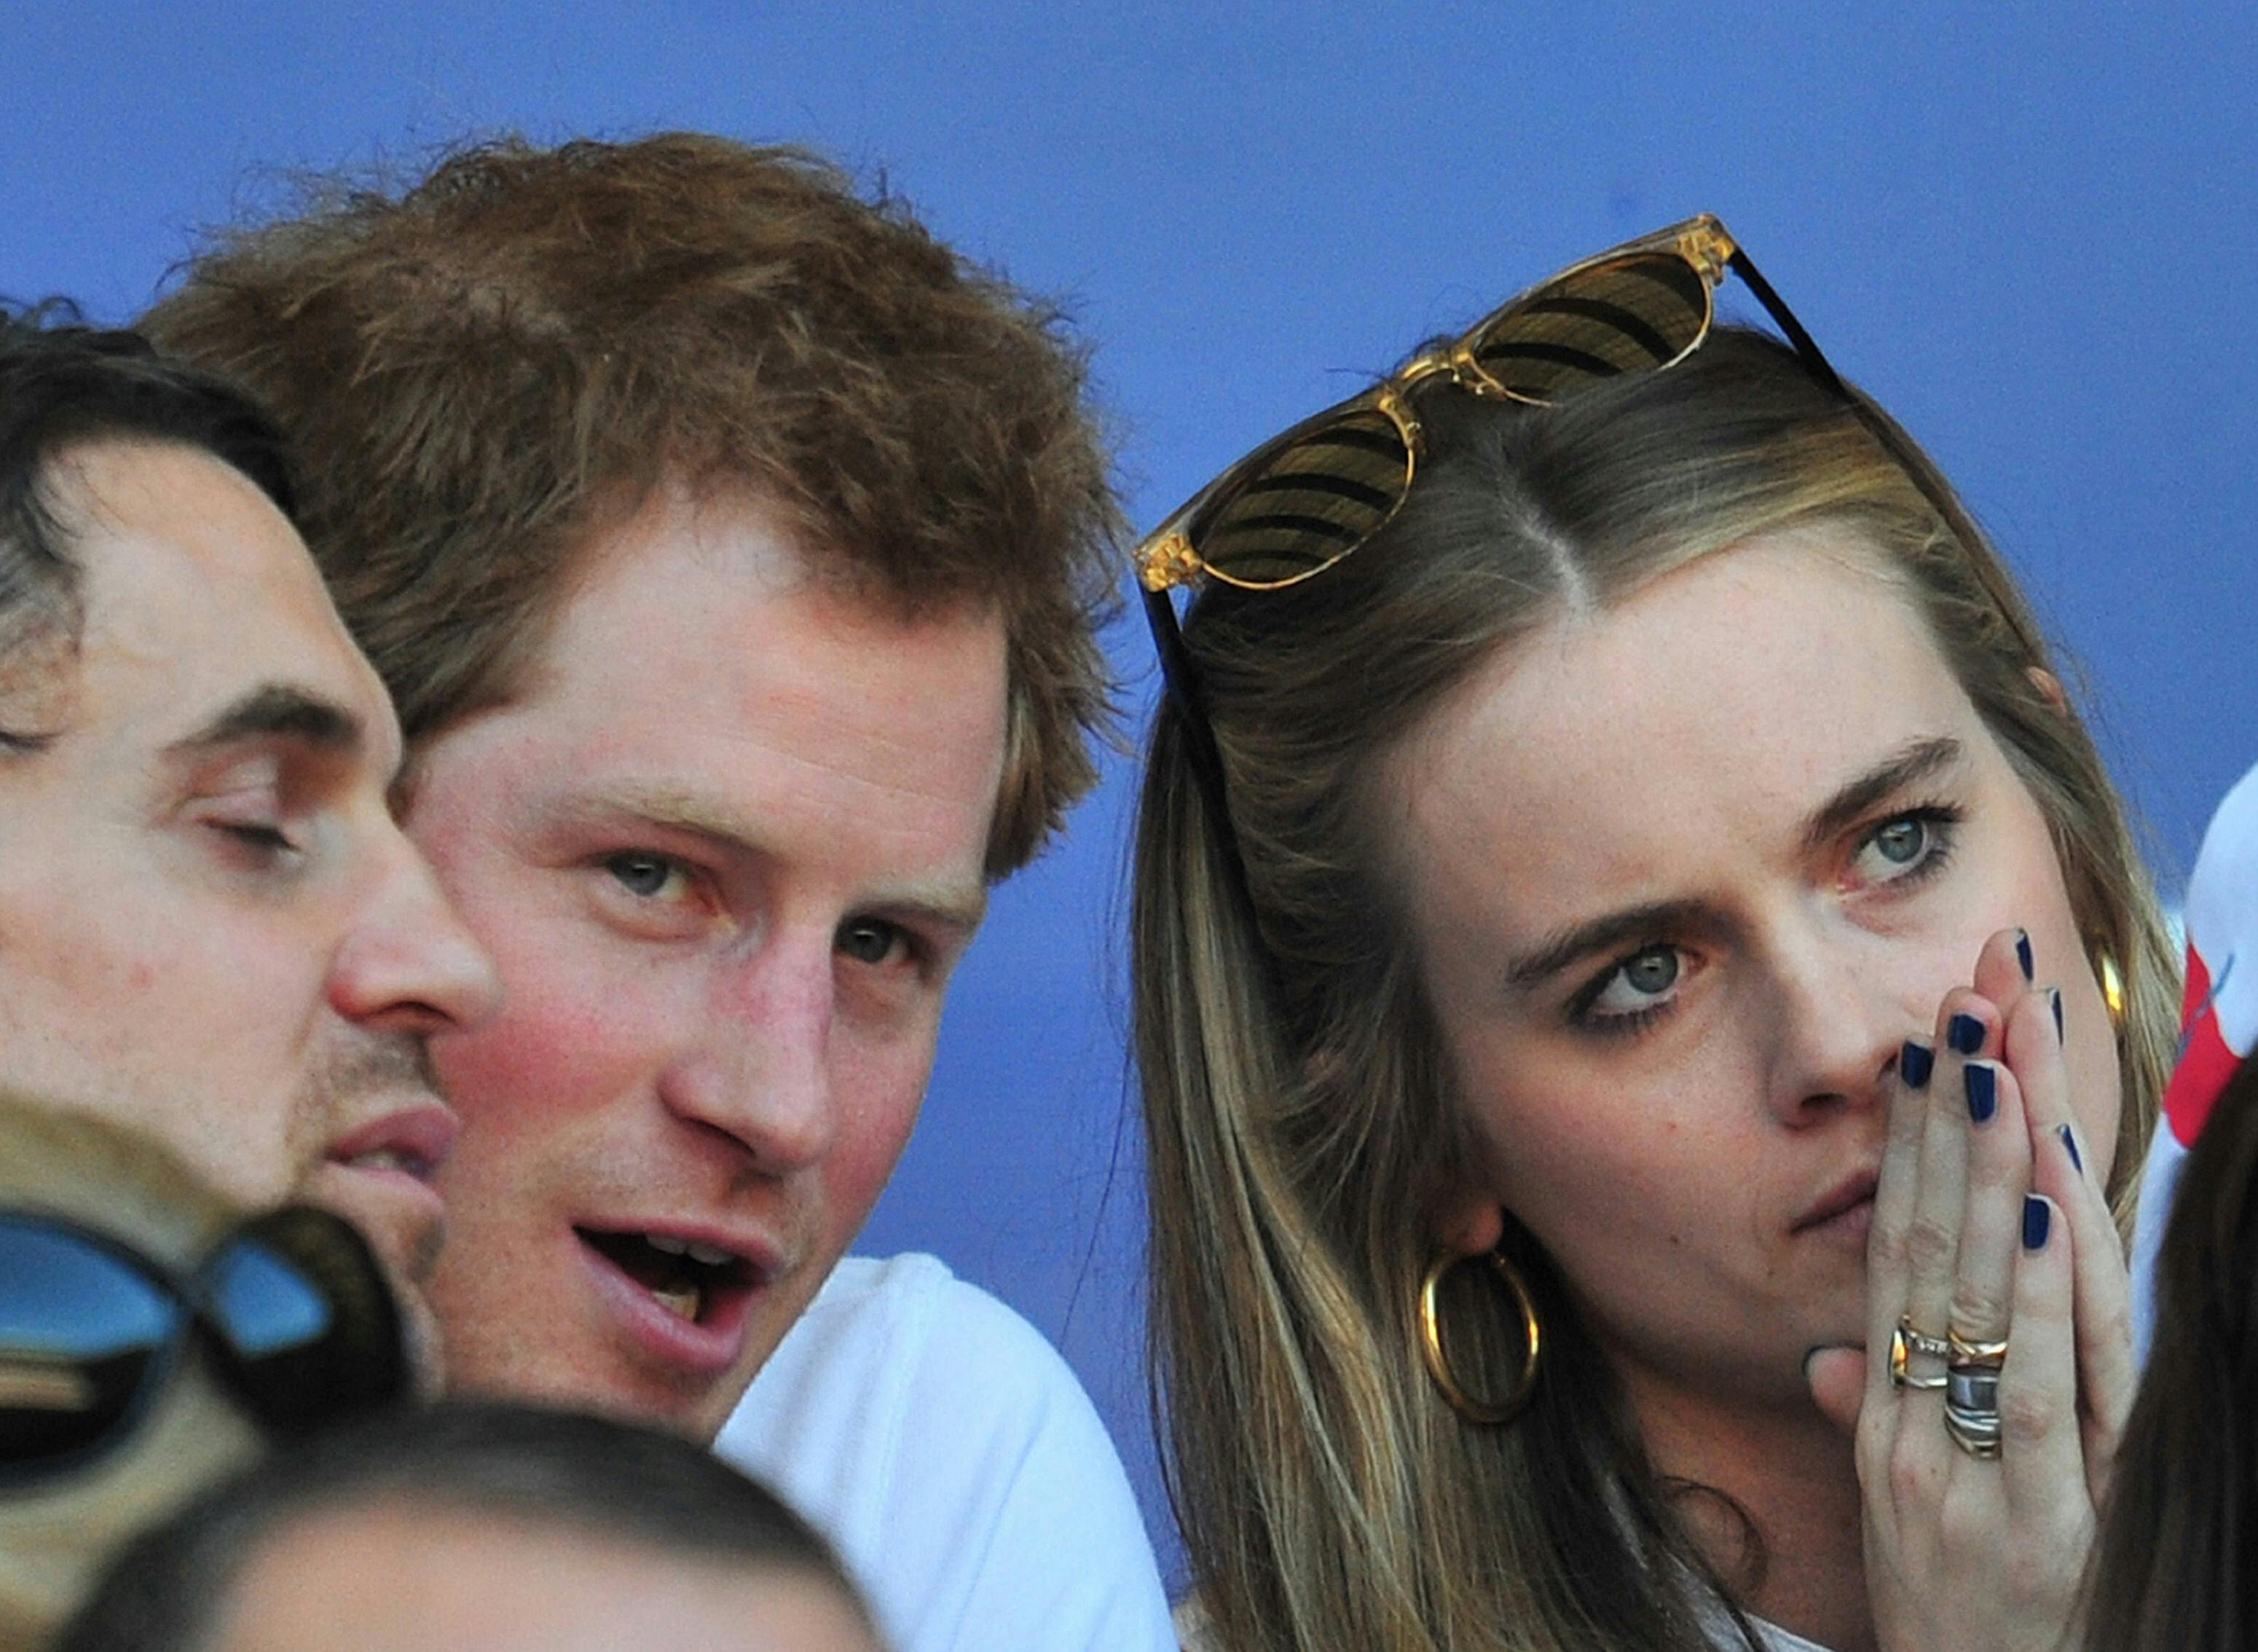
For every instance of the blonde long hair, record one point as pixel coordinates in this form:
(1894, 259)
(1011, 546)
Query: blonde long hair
(1299, 1107)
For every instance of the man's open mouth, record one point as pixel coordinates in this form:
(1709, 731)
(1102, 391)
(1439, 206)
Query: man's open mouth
(685, 1278)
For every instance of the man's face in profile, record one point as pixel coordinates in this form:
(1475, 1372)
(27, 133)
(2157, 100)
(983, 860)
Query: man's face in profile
(211, 927)
(726, 844)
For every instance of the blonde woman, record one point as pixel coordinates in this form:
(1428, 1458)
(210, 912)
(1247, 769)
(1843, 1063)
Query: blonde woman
(1647, 1006)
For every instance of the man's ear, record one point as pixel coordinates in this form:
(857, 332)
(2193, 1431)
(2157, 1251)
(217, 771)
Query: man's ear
(2051, 686)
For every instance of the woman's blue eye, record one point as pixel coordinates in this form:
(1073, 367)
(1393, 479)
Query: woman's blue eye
(1652, 971)
(1907, 846)
(1900, 843)
(1635, 988)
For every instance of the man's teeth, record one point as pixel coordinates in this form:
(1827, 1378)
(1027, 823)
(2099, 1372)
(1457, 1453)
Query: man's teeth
(685, 1300)
(706, 1255)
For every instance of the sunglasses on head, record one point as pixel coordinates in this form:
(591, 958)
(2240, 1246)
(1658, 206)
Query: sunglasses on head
(1307, 498)
(1315, 494)
(292, 1309)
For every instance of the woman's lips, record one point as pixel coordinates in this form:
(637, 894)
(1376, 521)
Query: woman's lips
(1846, 1208)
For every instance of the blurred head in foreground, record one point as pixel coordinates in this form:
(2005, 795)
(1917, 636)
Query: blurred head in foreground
(481, 1527)
(150, 1343)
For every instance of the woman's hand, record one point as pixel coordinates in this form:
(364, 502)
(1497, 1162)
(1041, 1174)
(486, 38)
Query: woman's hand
(1986, 1227)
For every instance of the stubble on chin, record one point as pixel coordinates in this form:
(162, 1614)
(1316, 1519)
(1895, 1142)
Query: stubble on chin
(358, 1081)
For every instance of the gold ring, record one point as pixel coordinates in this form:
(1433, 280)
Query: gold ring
(1901, 1346)
(1920, 1342)
(1967, 1352)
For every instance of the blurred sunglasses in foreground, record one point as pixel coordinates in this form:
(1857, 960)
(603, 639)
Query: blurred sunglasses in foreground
(292, 1307)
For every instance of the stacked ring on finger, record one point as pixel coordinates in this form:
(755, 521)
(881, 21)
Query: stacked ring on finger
(1971, 1394)
(1904, 1341)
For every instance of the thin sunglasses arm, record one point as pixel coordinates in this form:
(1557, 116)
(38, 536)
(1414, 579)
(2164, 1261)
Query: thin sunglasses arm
(1182, 679)
(1744, 267)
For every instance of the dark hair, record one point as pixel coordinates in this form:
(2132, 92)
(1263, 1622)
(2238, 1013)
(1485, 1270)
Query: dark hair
(2172, 1568)
(63, 382)
(483, 371)
(510, 1464)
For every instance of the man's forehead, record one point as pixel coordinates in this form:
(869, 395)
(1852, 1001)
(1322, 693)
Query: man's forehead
(196, 584)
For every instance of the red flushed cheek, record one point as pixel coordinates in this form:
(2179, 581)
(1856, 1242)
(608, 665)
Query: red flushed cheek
(540, 1056)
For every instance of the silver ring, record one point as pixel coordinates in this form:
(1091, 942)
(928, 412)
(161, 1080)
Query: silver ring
(1972, 1408)
(1973, 1391)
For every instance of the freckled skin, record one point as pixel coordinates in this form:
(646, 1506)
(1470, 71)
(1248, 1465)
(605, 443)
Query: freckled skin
(1672, 749)
(693, 1035)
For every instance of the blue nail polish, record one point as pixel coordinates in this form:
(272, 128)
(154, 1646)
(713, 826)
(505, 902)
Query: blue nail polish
(2038, 1217)
(1965, 1033)
(1915, 1064)
(2077, 1158)
(2060, 1037)
(2023, 954)
(1983, 1091)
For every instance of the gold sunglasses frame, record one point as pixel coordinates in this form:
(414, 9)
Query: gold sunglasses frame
(1170, 557)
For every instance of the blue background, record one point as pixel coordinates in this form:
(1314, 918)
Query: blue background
(2032, 231)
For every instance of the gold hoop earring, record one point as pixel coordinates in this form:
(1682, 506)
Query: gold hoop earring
(1475, 1408)
(2113, 983)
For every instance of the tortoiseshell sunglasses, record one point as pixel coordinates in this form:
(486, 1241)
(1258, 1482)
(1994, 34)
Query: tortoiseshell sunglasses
(1305, 499)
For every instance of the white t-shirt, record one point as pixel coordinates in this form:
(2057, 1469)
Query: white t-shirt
(957, 1465)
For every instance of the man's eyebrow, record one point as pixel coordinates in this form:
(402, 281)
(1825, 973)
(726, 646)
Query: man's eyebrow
(276, 711)
(941, 902)
(1557, 951)
(1922, 760)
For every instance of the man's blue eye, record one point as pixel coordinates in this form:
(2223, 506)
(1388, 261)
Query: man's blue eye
(869, 940)
(644, 874)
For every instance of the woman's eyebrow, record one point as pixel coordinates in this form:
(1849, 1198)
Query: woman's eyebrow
(1922, 760)
(1556, 952)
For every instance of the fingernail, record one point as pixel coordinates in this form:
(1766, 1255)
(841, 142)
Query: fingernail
(2077, 1158)
(1915, 1063)
(1983, 1091)
(2060, 1037)
(1965, 1033)
(2037, 1218)
(2023, 954)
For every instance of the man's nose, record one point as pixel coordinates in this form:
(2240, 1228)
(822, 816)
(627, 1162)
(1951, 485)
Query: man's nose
(409, 964)
(760, 1070)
